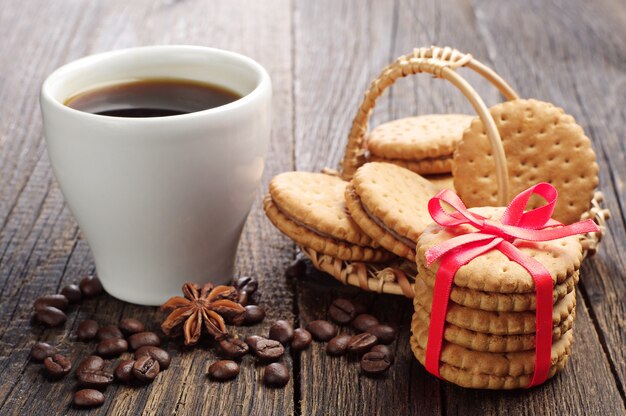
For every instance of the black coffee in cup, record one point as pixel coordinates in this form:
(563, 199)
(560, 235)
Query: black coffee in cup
(152, 98)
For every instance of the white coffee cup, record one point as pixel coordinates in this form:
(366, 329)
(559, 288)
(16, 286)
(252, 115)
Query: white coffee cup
(160, 200)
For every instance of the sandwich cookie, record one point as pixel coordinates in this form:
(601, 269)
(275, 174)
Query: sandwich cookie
(310, 209)
(493, 271)
(390, 204)
(489, 370)
(423, 144)
(479, 341)
(489, 322)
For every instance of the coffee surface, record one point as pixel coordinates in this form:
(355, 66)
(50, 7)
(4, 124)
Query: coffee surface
(152, 98)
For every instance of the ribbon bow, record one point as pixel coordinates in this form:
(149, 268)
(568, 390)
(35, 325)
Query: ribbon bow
(514, 225)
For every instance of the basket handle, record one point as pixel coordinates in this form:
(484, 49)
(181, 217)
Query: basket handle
(441, 63)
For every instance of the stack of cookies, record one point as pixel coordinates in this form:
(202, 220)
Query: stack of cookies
(361, 232)
(423, 144)
(489, 334)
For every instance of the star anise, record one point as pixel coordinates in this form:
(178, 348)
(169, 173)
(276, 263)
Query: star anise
(208, 305)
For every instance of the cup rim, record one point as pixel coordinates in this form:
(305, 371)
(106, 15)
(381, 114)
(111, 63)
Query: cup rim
(263, 84)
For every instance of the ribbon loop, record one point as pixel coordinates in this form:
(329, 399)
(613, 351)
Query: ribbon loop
(535, 218)
(515, 224)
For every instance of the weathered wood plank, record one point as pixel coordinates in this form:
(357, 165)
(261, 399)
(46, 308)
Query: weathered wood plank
(571, 53)
(341, 47)
(41, 248)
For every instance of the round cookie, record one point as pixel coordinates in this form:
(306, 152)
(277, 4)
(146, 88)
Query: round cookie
(493, 271)
(316, 200)
(478, 341)
(415, 138)
(423, 166)
(310, 209)
(489, 322)
(542, 144)
(393, 199)
(375, 229)
(468, 379)
(322, 244)
(493, 301)
(512, 364)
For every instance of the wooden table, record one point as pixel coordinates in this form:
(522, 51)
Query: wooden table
(321, 56)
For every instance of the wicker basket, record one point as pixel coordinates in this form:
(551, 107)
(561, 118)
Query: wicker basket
(397, 277)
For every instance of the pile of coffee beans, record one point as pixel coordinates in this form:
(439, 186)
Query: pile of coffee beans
(94, 374)
(267, 350)
(370, 343)
(50, 309)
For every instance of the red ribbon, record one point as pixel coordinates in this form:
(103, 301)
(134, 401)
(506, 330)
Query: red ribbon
(503, 235)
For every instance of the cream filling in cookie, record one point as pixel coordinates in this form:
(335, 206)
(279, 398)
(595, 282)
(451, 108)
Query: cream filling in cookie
(382, 158)
(313, 230)
(382, 225)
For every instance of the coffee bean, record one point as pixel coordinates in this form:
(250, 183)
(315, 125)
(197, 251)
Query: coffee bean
(342, 311)
(252, 340)
(361, 343)
(91, 286)
(72, 293)
(109, 332)
(243, 298)
(141, 339)
(276, 375)
(254, 315)
(246, 284)
(223, 370)
(131, 326)
(384, 333)
(301, 339)
(322, 330)
(88, 398)
(90, 363)
(269, 349)
(87, 330)
(146, 368)
(98, 379)
(162, 356)
(124, 371)
(281, 331)
(385, 350)
(57, 365)
(338, 345)
(112, 347)
(50, 316)
(364, 321)
(57, 301)
(375, 363)
(296, 270)
(233, 347)
(42, 350)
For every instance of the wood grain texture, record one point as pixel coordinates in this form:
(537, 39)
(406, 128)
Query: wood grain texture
(40, 244)
(321, 56)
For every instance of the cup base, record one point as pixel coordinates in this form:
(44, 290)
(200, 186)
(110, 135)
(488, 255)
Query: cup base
(148, 298)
